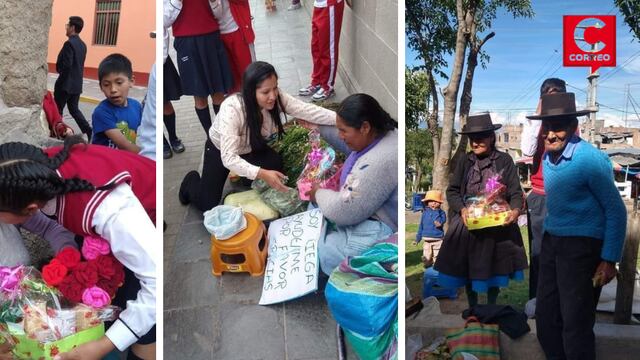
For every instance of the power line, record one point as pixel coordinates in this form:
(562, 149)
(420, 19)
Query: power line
(610, 74)
(609, 107)
(577, 88)
(532, 85)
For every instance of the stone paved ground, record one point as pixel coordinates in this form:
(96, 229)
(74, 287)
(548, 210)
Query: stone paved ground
(209, 317)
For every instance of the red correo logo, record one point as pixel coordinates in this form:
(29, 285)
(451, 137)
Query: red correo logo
(589, 40)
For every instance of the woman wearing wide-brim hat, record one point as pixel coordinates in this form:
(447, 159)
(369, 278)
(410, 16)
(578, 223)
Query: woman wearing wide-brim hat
(584, 232)
(481, 260)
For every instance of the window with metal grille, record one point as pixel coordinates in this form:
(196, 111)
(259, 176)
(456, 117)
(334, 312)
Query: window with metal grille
(105, 31)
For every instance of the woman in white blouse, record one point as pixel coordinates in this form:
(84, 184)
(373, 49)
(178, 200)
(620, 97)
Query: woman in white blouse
(239, 135)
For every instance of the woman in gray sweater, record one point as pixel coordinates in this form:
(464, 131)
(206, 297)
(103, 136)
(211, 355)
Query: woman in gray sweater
(365, 208)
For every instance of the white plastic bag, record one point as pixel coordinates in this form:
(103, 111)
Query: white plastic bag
(224, 221)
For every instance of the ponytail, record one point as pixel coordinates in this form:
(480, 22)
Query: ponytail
(28, 175)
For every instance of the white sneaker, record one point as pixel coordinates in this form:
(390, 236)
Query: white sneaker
(322, 94)
(294, 7)
(309, 90)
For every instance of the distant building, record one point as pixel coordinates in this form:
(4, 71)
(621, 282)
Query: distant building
(110, 26)
(508, 139)
(619, 136)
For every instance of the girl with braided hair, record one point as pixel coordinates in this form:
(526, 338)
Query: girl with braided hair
(93, 190)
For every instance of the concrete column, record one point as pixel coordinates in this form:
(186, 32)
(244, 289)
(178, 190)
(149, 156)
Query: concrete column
(24, 32)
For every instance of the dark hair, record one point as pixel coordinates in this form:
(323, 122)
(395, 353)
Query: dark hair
(550, 83)
(255, 74)
(358, 108)
(28, 175)
(115, 63)
(77, 23)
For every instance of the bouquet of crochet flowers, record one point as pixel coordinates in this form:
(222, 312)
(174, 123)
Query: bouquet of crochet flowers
(91, 277)
(321, 167)
(38, 321)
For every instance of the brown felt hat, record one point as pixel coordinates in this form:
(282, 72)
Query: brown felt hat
(479, 124)
(556, 106)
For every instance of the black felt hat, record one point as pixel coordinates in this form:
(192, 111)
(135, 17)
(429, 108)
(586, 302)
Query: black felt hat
(479, 124)
(555, 106)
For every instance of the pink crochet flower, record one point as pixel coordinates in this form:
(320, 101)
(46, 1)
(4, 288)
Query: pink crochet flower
(95, 297)
(94, 247)
(10, 278)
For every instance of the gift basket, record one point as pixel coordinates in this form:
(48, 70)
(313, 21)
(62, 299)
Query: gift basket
(44, 314)
(321, 167)
(39, 321)
(489, 208)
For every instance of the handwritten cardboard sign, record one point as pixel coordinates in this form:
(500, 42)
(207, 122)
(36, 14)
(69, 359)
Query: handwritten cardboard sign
(292, 263)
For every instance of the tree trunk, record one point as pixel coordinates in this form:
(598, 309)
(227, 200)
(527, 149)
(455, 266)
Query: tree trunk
(418, 175)
(441, 166)
(465, 99)
(432, 119)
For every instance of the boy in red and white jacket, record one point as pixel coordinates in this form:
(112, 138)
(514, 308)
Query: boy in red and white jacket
(326, 23)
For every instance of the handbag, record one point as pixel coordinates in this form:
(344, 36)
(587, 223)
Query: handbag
(475, 338)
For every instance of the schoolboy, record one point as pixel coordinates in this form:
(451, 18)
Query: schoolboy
(116, 119)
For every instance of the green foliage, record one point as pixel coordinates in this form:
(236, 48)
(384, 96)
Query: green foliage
(293, 147)
(419, 154)
(430, 30)
(417, 92)
(630, 9)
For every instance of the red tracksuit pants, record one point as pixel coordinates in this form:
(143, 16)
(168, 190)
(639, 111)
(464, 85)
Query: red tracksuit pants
(239, 53)
(325, 36)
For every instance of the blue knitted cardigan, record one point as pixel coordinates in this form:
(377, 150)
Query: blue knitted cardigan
(582, 199)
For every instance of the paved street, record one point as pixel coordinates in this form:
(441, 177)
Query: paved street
(209, 317)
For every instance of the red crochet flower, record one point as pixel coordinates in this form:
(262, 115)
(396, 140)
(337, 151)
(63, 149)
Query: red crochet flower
(106, 266)
(54, 272)
(86, 274)
(69, 257)
(108, 286)
(71, 288)
(118, 277)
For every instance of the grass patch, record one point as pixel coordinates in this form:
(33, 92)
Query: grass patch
(413, 264)
(516, 294)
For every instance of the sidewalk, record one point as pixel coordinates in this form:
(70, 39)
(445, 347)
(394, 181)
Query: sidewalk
(209, 317)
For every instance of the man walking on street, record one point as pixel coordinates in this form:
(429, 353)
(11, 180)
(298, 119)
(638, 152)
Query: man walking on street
(70, 67)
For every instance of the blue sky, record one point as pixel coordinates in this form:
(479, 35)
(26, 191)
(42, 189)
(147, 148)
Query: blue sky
(525, 50)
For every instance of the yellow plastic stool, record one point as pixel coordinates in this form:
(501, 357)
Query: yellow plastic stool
(244, 252)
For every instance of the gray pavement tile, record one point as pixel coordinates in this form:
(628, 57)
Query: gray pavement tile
(241, 288)
(193, 216)
(194, 243)
(310, 329)
(190, 284)
(251, 333)
(190, 338)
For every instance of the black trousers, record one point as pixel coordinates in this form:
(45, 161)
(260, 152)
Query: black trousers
(566, 300)
(536, 212)
(205, 191)
(71, 101)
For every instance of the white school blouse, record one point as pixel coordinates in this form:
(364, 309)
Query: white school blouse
(228, 132)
